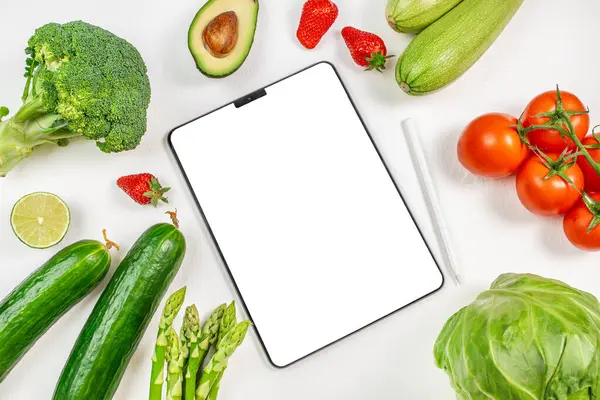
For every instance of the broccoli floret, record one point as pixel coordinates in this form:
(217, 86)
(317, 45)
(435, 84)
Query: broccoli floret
(81, 81)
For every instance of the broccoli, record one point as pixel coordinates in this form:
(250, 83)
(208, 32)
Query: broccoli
(82, 81)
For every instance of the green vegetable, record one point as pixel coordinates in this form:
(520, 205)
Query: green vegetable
(210, 331)
(190, 333)
(221, 35)
(170, 311)
(186, 329)
(211, 374)
(81, 81)
(527, 337)
(216, 386)
(214, 392)
(122, 314)
(46, 295)
(450, 46)
(175, 365)
(228, 322)
(208, 338)
(416, 15)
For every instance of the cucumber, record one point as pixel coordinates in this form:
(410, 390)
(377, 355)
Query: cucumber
(46, 295)
(413, 16)
(450, 46)
(114, 329)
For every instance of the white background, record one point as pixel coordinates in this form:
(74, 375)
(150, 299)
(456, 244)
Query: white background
(548, 42)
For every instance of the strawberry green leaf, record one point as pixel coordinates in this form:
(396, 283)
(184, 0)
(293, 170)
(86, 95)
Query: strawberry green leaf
(377, 61)
(156, 192)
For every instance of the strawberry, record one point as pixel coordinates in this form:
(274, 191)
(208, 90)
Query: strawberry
(367, 49)
(143, 188)
(317, 17)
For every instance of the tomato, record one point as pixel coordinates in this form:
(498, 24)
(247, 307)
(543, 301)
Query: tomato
(490, 146)
(550, 139)
(553, 196)
(576, 224)
(592, 180)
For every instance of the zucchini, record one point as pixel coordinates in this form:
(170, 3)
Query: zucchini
(114, 329)
(413, 16)
(46, 295)
(450, 46)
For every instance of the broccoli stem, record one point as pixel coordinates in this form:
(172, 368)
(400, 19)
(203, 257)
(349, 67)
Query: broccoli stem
(27, 129)
(30, 109)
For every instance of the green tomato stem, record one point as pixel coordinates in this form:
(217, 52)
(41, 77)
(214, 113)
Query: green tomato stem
(595, 165)
(558, 120)
(561, 118)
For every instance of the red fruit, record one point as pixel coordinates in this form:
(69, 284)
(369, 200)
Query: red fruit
(367, 49)
(317, 17)
(592, 180)
(143, 188)
(490, 146)
(549, 103)
(581, 223)
(549, 184)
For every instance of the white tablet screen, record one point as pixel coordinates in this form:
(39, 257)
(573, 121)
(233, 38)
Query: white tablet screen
(307, 218)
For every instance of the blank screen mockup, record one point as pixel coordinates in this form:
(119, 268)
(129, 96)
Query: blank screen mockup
(305, 214)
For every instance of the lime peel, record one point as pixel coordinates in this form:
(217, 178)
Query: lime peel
(40, 220)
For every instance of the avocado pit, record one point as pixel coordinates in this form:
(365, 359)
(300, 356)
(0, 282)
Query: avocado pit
(221, 34)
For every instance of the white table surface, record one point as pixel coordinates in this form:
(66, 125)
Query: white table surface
(547, 43)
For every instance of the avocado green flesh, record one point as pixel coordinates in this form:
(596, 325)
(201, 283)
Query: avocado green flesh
(450, 46)
(46, 295)
(413, 16)
(115, 328)
(247, 16)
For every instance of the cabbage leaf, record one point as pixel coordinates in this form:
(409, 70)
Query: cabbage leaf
(526, 338)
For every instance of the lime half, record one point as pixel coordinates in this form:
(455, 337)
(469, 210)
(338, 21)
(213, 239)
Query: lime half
(40, 220)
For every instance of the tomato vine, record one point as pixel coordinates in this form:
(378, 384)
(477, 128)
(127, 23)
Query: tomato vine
(560, 121)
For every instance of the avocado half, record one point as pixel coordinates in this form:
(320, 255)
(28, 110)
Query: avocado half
(221, 35)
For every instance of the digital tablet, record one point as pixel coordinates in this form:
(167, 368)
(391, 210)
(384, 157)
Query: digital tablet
(304, 213)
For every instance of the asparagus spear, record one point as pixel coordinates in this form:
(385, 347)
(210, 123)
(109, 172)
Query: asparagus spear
(211, 374)
(228, 321)
(172, 307)
(174, 357)
(190, 330)
(208, 337)
(214, 391)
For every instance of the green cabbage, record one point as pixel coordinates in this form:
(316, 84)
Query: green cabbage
(528, 338)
